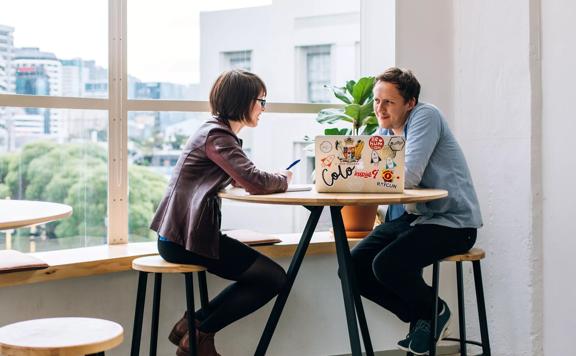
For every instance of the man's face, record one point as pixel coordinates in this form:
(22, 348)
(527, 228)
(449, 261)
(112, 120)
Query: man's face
(390, 107)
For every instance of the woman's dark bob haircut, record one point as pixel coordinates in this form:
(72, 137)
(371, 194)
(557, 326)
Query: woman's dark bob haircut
(234, 93)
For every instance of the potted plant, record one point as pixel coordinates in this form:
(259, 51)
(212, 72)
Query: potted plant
(358, 114)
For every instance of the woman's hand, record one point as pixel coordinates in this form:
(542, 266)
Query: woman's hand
(288, 175)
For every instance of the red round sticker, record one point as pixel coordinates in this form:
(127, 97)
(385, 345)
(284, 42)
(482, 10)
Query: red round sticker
(376, 142)
(387, 175)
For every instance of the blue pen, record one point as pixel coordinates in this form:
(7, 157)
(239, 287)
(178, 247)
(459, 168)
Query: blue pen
(293, 164)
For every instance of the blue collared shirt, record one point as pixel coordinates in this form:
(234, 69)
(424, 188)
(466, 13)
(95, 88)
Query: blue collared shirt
(435, 160)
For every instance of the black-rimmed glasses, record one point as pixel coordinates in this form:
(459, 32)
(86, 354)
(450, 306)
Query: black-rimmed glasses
(262, 102)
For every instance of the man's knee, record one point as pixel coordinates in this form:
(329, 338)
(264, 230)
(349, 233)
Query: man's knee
(385, 270)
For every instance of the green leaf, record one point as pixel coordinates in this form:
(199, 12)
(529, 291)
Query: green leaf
(370, 120)
(369, 129)
(350, 86)
(367, 109)
(340, 93)
(330, 116)
(335, 131)
(363, 90)
(353, 111)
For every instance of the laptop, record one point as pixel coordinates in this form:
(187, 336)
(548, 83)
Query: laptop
(359, 164)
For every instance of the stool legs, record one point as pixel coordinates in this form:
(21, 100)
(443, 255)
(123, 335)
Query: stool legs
(481, 308)
(191, 310)
(434, 323)
(461, 311)
(139, 313)
(155, 313)
(203, 289)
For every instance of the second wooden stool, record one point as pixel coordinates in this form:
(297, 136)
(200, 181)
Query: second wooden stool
(60, 337)
(158, 266)
(475, 255)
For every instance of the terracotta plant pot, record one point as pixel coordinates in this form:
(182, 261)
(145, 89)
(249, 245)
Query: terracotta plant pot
(359, 220)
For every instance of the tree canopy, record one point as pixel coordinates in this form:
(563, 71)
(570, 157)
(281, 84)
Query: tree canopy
(77, 174)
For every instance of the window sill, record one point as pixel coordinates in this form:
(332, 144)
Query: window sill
(97, 260)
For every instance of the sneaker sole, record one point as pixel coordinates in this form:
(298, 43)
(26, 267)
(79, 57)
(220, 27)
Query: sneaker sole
(407, 349)
(443, 334)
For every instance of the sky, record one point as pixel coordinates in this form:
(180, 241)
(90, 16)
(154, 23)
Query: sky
(79, 28)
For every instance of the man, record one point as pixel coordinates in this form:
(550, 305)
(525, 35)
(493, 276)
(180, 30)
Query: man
(389, 262)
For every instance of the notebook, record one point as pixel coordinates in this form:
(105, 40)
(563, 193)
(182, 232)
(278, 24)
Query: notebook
(298, 187)
(252, 238)
(360, 164)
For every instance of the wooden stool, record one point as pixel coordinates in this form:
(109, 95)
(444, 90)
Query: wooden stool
(475, 255)
(60, 337)
(157, 265)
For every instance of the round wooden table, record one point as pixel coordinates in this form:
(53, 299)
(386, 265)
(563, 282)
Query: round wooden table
(15, 214)
(315, 202)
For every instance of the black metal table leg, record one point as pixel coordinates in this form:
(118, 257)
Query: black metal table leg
(342, 249)
(155, 313)
(359, 307)
(139, 313)
(315, 212)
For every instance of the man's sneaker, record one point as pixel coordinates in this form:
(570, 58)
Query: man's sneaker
(405, 343)
(420, 338)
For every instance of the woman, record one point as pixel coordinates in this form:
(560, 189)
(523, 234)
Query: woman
(188, 218)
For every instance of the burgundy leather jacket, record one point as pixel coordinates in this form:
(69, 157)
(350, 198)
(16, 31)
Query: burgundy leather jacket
(189, 214)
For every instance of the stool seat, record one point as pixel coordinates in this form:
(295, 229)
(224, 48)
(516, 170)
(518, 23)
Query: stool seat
(156, 264)
(60, 336)
(475, 254)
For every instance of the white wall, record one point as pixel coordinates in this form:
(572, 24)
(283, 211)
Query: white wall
(478, 61)
(424, 36)
(313, 322)
(559, 174)
(493, 119)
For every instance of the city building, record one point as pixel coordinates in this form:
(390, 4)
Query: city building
(6, 56)
(40, 73)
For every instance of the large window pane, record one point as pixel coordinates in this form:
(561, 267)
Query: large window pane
(59, 156)
(155, 143)
(56, 47)
(297, 47)
(155, 140)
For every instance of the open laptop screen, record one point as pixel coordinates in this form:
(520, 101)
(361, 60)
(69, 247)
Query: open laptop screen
(360, 164)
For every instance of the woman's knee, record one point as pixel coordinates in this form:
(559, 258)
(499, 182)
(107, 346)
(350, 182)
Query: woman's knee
(274, 277)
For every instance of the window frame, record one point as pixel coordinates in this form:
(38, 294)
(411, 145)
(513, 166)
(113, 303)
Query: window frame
(118, 105)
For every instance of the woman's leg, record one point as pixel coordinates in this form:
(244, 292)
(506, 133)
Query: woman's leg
(257, 280)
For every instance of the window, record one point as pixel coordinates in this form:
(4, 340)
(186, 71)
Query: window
(108, 148)
(318, 73)
(60, 54)
(238, 60)
(68, 165)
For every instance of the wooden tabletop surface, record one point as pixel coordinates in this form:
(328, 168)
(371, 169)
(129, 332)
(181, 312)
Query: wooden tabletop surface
(60, 336)
(21, 213)
(313, 198)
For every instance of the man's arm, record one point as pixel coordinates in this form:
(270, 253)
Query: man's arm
(423, 133)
